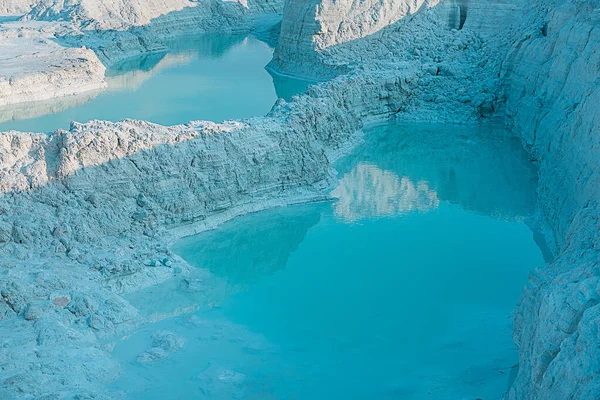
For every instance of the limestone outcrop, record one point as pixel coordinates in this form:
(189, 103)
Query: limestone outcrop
(102, 200)
(322, 39)
(310, 26)
(107, 14)
(34, 67)
(552, 96)
(88, 213)
(16, 6)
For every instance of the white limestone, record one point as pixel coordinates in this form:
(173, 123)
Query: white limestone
(108, 14)
(553, 92)
(15, 7)
(67, 53)
(87, 214)
(309, 27)
(33, 67)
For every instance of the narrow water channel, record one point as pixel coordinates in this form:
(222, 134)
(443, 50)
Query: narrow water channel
(403, 287)
(208, 77)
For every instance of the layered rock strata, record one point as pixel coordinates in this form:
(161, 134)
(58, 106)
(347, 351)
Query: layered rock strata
(552, 93)
(34, 67)
(85, 211)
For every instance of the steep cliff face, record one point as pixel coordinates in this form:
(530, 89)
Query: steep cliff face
(295, 52)
(553, 92)
(311, 26)
(343, 21)
(321, 39)
(552, 96)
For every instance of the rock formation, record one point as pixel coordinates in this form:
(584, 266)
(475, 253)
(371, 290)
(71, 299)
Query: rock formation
(87, 214)
(115, 14)
(16, 6)
(33, 67)
(552, 97)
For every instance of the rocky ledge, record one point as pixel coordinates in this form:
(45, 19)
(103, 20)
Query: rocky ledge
(88, 213)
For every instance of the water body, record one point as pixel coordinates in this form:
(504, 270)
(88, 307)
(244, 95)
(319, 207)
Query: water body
(401, 288)
(209, 77)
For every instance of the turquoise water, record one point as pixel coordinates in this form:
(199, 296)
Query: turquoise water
(213, 77)
(401, 288)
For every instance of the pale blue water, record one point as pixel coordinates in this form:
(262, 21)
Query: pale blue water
(403, 288)
(212, 77)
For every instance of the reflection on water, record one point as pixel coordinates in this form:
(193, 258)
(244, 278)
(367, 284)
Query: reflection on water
(402, 167)
(412, 299)
(368, 191)
(32, 111)
(208, 77)
(146, 63)
(132, 79)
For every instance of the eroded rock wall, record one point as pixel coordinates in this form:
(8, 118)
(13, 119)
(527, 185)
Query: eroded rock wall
(553, 97)
(106, 14)
(321, 38)
(85, 212)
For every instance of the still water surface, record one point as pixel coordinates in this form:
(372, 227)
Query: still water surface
(401, 288)
(209, 77)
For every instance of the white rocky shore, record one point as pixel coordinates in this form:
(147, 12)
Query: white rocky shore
(88, 214)
(34, 67)
(60, 49)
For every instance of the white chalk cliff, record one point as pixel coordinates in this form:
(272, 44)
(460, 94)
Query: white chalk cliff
(87, 214)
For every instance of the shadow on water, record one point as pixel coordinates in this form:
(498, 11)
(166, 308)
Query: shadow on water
(287, 87)
(228, 260)
(250, 250)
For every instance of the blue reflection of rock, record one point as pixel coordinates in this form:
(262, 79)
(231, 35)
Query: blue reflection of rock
(412, 167)
(368, 191)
